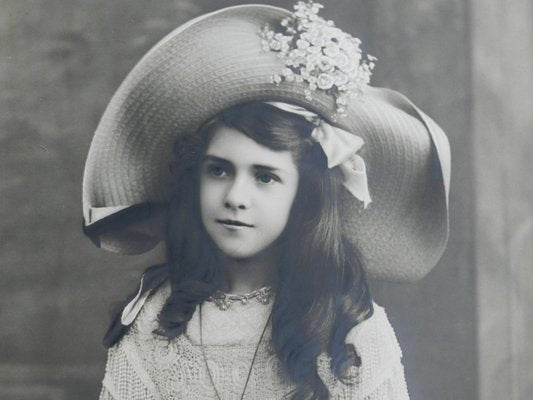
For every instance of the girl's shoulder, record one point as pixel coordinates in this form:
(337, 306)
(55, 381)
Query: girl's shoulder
(145, 320)
(141, 307)
(375, 334)
(376, 344)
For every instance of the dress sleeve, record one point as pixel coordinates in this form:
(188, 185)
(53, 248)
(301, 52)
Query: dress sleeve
(123, 380)
(127, 375)
(381, 375)
(393, 388)
(105, 395)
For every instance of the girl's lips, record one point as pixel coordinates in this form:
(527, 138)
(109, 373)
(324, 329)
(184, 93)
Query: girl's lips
(233, 223)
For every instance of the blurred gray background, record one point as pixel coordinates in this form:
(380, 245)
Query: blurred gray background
(465, 329)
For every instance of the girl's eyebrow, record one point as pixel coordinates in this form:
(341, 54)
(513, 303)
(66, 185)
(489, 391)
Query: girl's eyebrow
(210, 157)
(267, 168)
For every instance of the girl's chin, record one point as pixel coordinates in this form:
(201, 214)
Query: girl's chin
(241, 248)
(238, 255)
(242, 254)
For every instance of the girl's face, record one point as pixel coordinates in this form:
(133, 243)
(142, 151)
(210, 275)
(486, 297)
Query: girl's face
(246, 193)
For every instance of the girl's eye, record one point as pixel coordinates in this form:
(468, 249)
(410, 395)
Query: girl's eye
(266, 178)
(216, 170)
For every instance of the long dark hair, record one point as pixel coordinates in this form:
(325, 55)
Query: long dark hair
(321, 290)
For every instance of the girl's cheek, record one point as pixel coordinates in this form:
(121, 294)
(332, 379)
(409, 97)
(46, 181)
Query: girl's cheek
(211, 192)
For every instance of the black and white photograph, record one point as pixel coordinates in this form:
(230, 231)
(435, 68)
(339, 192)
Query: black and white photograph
(278, 200)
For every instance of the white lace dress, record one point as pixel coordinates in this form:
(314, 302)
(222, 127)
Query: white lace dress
(145, 366)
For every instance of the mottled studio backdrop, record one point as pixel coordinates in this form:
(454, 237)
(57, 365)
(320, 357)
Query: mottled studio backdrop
(464, 329)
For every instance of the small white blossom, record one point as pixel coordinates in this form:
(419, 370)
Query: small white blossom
(347, 45)
(331, 49)
(302, 44)
(315, 7)
(325, 81)
(334, 33)
(340, 78)
(318, 41)
(325, 64)
(314, 50)
(265, 46)
(341, 60)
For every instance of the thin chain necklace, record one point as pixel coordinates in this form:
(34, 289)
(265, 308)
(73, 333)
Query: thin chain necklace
(251, 364)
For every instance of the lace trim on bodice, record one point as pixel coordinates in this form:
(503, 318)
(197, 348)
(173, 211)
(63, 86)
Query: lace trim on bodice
(175, 369)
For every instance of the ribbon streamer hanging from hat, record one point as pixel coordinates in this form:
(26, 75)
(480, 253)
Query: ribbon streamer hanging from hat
(340, 148)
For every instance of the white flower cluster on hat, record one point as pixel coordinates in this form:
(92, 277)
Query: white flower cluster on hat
(317, 52)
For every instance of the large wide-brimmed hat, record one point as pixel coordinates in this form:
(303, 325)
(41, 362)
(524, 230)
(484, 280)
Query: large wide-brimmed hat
(219, 60)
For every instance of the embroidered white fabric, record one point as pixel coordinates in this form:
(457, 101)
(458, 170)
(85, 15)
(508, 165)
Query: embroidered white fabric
(145, 366)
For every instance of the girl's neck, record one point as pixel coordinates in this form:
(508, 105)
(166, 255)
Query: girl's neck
(246, 275)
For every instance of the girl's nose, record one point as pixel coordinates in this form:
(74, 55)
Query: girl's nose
(238, 195)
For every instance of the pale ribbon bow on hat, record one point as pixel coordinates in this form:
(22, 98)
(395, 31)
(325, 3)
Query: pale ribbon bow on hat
(340, 148)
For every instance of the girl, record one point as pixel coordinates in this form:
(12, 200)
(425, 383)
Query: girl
(264, 209)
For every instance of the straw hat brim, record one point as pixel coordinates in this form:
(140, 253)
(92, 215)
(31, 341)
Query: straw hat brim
(216, 61)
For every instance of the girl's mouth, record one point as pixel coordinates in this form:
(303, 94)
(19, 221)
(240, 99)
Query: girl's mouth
(233, 223)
